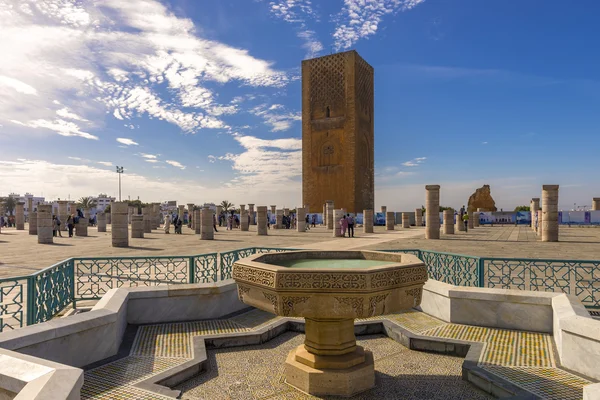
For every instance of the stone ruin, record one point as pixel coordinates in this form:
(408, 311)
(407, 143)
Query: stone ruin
(482, 198)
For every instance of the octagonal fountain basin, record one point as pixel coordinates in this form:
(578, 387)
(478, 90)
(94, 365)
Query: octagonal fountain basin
(330, 289)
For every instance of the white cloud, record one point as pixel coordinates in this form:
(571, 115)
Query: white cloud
(277, 121)
(152, 161)
(267, 164)
(105, 163)
(361, 18)
(17, 85)
(212, 159)
(127, 142)
(414, 162)
(175, 164)
(149, 156)
(76, 60)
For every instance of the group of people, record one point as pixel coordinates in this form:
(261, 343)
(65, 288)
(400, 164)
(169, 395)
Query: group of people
(347, 225)
(7, 222)
(177, 224)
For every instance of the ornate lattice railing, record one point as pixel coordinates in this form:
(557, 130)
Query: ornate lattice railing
(96, 276)
(578, 277)
(13, 302)
(39, 297)
(51, 291)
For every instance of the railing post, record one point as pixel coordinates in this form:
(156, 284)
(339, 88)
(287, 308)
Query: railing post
(481, 271)
(31, 300)
(72, 284)
(192, 269)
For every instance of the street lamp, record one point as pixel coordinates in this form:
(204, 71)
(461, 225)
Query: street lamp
(119, 171)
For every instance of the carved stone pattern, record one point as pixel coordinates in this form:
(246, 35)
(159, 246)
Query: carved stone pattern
(416, 293)
(242, 290)
(355, 302)
(273, 299)
(321, 281)
(374, 301)
(398, 277)
(327, 82)
(289, 302)
(364, 87)
(258, 276)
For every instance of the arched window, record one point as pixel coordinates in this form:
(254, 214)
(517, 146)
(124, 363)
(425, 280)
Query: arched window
(327, 112)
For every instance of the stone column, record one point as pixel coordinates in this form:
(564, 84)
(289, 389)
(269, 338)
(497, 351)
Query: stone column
(534, 206)
(550, 213)
(475, 219)
(137, 226)
(251, 213)
(156, 211)
(180, 211)
(197, 216)
(471, 217)
(418, 217)
(261, 220)
(390, 220)
(301, 219)
(432, 216)
(367, 221)
(324, 214)
(460, 224)
(329, 211)
(81, 227)
(147, 218)
(109, 218)
(539, 230)
(278, 220)
(207, 231)
(244, 226)
(190, 208)
(596, 203)
(119, 212)
(336, 215)
(405, 220)
(20, 216)
(448, 222)
(101, 219)
(33, 223)
(44, 224)
(30, 207)
(63, 214)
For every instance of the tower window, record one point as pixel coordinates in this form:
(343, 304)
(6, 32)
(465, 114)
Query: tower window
(327, 112)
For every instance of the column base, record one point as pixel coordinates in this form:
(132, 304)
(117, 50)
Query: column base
(337, 382)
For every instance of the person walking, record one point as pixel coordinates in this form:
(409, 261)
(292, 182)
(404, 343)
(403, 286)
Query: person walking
(54, 226)
(314, 220)
(58, 226)
(350, 225)
(465, 219)
(70, 225)
(215, 222)
(307, 221)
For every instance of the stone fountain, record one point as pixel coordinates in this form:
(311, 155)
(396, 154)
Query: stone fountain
(330, 289)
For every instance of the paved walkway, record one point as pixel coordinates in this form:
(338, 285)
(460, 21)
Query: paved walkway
(526, 359)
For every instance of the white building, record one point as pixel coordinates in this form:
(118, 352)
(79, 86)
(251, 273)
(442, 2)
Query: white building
(102, 201)
(25, 199)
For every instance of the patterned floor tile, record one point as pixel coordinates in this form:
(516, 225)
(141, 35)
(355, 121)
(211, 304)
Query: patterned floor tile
(415, 321)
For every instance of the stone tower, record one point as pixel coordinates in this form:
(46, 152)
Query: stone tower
(338, 132)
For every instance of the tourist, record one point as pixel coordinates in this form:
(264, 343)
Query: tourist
(462, 211)
(350, 225)
(215, 222)
(1, 221)
(465, 219)
(314, 220)
(178, 225)
(54, 225)
(344, 224)
(229, 223)
(307, 221)
(58, 226)
(70, 225)
(167, 227)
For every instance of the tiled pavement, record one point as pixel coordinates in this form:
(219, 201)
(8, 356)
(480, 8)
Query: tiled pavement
(525, 359)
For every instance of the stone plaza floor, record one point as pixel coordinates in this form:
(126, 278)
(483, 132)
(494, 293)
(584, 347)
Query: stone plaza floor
(20, 254)
(525, 359)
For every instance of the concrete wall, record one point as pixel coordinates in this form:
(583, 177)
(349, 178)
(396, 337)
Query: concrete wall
(575, 333)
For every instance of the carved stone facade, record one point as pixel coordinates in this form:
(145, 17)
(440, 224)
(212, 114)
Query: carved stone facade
(338, 132)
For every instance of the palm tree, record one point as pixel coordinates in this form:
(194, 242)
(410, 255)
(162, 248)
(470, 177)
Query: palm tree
(86, 203)
(9, 203)
(226, 205)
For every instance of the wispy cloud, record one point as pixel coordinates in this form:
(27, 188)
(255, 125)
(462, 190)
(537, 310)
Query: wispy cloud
(149, 156)
(175, 164)
(414, 162)
(127, 142)
(484, 142)
(212, 159)
(105, 163)
(361, 18)
(276, 117)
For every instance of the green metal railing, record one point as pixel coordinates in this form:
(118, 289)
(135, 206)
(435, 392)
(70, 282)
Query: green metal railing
(36, 298)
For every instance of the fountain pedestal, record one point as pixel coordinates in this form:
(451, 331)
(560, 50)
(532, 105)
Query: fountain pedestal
(330, 289)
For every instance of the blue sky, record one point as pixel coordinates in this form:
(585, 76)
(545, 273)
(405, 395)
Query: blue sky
(200, 100)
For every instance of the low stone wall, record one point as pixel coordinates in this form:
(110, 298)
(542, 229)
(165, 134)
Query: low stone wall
(576, 334)
(83, 339)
